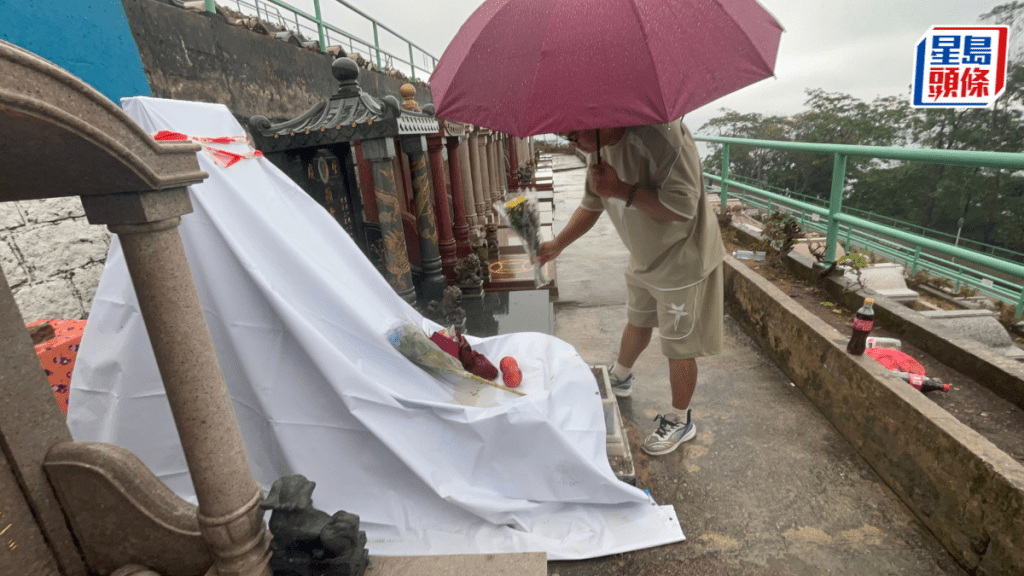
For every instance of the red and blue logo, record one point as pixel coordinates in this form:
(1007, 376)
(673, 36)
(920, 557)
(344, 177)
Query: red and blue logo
(960, 67)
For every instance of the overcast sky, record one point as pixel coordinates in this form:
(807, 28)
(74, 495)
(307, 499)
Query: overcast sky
(859, 47)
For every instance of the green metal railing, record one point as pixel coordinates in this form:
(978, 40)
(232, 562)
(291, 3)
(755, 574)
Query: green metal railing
(838, 221)
(996, 251)
(323, 31)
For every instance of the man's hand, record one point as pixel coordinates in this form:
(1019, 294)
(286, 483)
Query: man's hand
(548, 252)
(604, 181)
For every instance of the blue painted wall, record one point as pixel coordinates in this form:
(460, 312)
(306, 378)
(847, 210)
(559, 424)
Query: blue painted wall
(89, 38)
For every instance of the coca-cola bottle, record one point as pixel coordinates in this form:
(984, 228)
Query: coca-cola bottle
(923, 383)
(862, 324)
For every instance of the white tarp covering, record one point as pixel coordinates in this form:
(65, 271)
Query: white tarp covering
(297, 315)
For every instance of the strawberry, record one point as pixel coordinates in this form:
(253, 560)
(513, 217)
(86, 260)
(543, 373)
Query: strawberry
(510, 371)
(513, 378)
(508, 362)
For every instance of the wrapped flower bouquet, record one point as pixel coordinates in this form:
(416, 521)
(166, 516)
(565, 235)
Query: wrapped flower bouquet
(415, 345)
(523, 217)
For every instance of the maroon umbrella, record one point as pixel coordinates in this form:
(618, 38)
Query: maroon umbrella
(527, 67)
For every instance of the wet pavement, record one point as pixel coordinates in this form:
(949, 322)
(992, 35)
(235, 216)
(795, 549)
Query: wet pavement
(768, 486)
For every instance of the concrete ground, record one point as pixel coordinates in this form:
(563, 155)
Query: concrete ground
(768, 486)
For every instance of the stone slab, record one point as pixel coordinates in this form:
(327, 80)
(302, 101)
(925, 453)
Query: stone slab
(51, 209)
(10, 216)
(514, 564)
(886, 279)
(515, 272)
(509, 312)
(978, 325)
(11, 266)
(510, 243)
(620, 457)
(42, 260)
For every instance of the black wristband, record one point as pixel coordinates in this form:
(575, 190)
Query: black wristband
(632, 194)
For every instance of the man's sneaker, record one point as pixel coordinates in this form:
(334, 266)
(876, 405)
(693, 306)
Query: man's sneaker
(669, 435)
(620, 388)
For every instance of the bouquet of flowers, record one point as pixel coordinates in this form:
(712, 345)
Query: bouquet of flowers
(522, 217)
(415, 345)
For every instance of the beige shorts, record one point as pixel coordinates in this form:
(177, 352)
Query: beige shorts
(688, 319)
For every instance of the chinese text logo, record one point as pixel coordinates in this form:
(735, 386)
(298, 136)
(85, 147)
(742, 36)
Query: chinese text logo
(960, 66)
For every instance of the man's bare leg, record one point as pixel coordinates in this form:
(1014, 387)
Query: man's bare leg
(634, 340)
(682, 375)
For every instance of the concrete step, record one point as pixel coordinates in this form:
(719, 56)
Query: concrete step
(514, 564)
(620, 457)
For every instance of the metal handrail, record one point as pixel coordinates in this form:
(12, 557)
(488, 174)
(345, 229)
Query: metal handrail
(324, 28)
(836, 218)
(912, 257)
(983, 283)
(996, 251)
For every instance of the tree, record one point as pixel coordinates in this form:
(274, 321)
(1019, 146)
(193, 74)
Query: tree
(935, 196)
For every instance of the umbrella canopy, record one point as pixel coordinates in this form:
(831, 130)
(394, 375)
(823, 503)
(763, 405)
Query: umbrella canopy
(527, 67)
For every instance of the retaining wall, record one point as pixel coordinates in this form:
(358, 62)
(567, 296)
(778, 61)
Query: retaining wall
(967, 491)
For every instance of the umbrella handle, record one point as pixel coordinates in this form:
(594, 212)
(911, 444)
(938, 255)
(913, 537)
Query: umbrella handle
(598, 145)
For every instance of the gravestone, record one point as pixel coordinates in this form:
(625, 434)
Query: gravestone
(886, 279)
(305, 148)
(980, 326)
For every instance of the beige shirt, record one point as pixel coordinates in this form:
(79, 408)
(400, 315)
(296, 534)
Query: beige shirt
(665, 254)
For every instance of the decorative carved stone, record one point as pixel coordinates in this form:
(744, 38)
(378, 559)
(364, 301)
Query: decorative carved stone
(307, 541)
(136, 185)
(408, 92)
(122, 514)
(433, 281)
(447, 311)
(353, 115)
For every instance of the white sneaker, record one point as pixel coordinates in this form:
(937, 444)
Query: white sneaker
(621, 388)
(669, 435)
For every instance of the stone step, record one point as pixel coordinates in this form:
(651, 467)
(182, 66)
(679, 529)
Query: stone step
(512, 564)
(620, 457)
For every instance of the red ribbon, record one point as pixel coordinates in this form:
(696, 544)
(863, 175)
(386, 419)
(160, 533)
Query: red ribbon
(222, 158)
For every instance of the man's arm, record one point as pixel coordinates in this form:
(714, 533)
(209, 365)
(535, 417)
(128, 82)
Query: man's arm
(605, 182)
(581, 221)
(647, 201)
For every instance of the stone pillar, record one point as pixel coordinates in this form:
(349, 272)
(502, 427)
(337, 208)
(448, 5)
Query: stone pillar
(445, 235)
(433, 282)
(466, 166)
(513, 169)
(501, 150)
(380, 152)
(492, 168)
(461, 229)
(483, 201)
(365, 172)
(229, 516)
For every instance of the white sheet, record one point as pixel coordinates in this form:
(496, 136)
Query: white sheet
(297, 316)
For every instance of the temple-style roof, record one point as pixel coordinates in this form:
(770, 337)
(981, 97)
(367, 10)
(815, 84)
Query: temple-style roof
(61, 137)
(349, 115)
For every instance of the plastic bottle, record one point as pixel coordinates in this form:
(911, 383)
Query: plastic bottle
(748, 255)
(923, 383)
(862, 324)
(879, 342)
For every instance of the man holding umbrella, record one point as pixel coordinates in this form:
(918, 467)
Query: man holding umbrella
(649, 181)
(526, 67)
